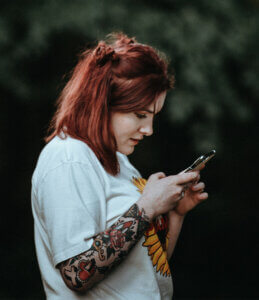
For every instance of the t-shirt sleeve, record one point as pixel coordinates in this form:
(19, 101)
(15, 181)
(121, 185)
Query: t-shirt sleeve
(72, 209)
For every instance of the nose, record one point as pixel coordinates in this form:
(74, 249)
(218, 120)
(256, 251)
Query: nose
(146, 129)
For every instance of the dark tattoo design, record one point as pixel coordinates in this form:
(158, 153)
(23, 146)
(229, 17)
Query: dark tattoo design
(98, 244)
(108, 249)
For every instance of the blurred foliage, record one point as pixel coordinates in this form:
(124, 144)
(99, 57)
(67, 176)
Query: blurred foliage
(212, 45)
(213, 50)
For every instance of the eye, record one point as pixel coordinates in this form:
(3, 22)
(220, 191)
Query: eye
(140, 116)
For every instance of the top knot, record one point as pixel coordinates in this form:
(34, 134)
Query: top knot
(119, 39)
(104, 53)
(123, 39)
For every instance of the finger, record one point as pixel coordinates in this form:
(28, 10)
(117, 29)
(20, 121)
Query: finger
(190, 184)
(202, 196)
(157, 176)
(161, 175)
(202, 167)
(199, 167)
(197, 180)
(198, 187)
(185, 177)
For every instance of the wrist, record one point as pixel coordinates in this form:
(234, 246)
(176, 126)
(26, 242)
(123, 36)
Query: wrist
(148, 210)
(175, 214)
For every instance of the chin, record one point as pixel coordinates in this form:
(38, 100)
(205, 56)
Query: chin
(127, 151)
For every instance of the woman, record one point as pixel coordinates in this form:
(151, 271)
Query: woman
(101, 231)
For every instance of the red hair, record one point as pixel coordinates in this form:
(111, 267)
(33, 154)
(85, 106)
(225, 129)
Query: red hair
(119, 74)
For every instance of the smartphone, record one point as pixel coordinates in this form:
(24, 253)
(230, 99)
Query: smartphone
(203, 159)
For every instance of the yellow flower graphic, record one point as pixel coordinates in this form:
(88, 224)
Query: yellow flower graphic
(157, 248)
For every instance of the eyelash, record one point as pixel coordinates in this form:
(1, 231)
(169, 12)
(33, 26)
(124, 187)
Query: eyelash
(141, 116)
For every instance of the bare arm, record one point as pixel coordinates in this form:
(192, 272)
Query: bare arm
(108, 249)
(193, 196)
(175, 226)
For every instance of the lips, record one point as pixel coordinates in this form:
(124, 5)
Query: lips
(135, 141)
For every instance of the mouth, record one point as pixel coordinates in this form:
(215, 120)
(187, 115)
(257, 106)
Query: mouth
(135, 141)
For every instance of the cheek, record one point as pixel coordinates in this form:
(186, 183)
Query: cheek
(125, 127)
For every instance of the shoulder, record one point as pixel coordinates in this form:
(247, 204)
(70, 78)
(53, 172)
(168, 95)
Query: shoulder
(66, 150)
(60, 151)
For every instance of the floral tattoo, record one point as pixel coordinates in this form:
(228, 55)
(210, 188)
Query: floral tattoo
(108, 249)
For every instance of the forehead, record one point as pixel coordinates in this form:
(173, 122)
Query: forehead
(157, 105)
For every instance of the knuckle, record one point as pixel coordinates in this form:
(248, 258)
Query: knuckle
(150, 177)
(173, 178)
(180, 176)
(186, 176)
(157, 175)
(153, 175)
(193, 175)
(178, 190)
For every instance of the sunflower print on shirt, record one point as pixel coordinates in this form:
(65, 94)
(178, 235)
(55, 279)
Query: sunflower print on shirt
(156, 237)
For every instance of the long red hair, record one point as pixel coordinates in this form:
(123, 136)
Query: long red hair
(119, 74)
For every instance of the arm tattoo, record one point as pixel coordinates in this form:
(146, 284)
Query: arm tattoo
(81, 272)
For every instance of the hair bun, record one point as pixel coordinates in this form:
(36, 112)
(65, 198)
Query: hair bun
(104, 53)
(125, 40)
(119, 39)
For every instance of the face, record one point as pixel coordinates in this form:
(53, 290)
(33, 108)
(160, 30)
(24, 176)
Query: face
(130, 128)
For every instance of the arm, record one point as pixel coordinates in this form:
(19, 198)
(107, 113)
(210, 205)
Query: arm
(81, 272)
(175, 226)
(108, 249)
(193, 196)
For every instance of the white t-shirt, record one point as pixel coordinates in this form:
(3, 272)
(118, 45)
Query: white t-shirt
(74, 199)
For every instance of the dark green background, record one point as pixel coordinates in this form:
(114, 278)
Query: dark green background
(213, 49)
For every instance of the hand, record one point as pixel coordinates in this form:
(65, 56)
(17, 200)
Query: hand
(161, 194)
(193, 196)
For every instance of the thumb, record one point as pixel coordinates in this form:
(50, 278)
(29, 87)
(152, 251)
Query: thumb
(202, 166)
(156, 176)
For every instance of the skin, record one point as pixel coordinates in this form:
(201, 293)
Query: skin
(109, 248)
(135, 125)
(162, 195)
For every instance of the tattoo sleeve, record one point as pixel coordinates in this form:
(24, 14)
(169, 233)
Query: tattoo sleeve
(109, 248)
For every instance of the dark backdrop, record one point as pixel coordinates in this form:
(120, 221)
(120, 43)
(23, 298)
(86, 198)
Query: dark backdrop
(213, 47)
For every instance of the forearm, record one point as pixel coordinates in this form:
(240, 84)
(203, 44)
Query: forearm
(175, 226)
(108, 249)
